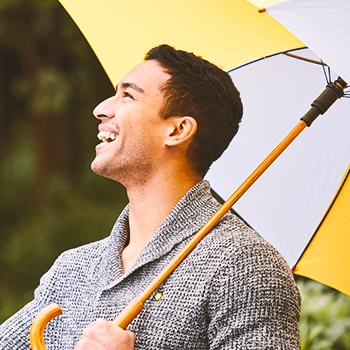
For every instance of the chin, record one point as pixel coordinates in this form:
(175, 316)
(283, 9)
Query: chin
(98, 168)
(104, 170)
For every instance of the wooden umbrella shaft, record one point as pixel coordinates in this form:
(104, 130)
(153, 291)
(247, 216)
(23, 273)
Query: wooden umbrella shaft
(136, 305)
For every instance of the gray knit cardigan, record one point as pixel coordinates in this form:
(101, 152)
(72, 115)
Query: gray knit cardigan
(234, 291)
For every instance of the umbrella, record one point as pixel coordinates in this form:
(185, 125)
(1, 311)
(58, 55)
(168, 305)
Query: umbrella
(231, 33)
(287, 205)
(316, 214)
(228, 33)
(322, 25)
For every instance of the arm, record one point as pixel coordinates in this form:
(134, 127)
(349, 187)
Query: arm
(254, 301)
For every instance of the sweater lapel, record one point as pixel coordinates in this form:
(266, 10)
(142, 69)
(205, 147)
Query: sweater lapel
(187, 217)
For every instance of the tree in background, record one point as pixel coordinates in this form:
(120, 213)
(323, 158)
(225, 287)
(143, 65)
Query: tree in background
(50, 201)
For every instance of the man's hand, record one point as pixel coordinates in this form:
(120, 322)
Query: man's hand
(104, 335)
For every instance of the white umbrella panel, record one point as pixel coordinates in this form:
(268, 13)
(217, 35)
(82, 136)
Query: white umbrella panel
(288, 202)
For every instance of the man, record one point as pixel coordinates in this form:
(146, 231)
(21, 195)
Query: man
(171, 117)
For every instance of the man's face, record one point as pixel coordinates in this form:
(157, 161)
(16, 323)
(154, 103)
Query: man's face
(131, 129)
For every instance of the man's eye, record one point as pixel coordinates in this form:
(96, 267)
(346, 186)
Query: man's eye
(126, 94)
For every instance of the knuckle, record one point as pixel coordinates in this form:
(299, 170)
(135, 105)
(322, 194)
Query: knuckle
(81, 344)
(131, 335)
(100, 321)
(87, 331)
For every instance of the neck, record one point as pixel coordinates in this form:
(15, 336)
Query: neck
(150, 204)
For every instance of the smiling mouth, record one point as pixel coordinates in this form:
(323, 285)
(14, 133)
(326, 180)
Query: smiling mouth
(106, 136)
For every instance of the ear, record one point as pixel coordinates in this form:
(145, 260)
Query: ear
(180, 130)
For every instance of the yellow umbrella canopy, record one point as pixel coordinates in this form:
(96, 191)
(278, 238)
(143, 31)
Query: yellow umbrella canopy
(228, 33)
(225, 32)
(326, 258)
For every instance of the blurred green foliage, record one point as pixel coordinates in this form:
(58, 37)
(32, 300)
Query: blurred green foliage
(325, 317)
(50, 201)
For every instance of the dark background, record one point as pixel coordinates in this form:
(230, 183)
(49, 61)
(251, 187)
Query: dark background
(50, 201)
(50, 81)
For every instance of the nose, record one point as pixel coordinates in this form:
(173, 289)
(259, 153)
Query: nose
(104, 109)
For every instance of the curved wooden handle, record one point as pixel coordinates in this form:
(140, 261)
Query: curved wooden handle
(53, 310)
(39, 323)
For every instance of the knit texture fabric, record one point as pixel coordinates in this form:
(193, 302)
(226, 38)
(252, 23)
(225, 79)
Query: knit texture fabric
(234, 290)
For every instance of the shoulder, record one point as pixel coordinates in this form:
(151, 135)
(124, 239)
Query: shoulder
(84, 253)
(252, 289)
(231, 236)
(250, 264)
(75, 262)
(241, 255)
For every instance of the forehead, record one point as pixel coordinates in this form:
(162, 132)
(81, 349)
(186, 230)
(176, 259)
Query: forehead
(148, 76)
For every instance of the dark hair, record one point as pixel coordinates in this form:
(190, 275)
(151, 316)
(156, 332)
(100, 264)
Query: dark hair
(199, 89)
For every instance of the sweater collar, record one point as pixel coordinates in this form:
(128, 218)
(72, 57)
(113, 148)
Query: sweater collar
(186, 218)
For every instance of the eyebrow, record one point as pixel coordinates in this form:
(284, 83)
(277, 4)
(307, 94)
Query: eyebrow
(132, 85)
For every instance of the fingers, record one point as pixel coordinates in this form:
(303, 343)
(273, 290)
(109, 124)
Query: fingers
(103, 335)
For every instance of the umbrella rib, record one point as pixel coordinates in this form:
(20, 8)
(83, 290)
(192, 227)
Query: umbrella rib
(304, 59)
(328, 77)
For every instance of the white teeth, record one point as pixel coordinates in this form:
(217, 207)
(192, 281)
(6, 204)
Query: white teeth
(106, 136)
